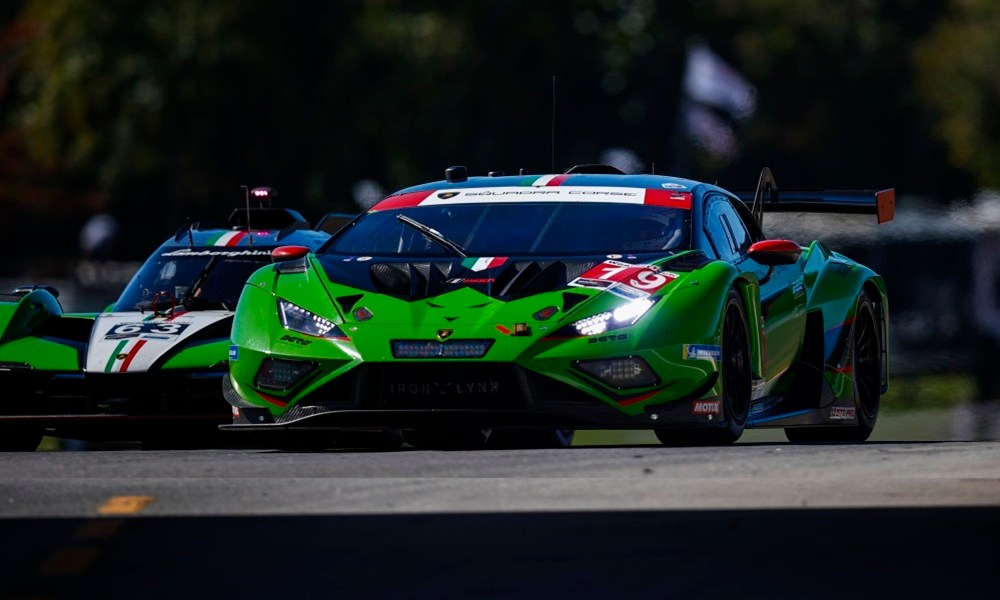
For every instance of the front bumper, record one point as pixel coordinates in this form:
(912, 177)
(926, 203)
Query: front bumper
(485, 395)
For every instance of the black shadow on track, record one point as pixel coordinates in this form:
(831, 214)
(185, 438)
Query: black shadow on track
(801, 553)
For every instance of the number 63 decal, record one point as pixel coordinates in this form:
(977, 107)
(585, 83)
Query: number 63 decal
(135, 329)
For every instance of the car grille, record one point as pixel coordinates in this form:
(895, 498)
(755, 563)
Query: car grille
(459, 386)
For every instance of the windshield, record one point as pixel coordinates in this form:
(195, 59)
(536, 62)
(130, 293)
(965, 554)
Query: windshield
(520, 229)
(198, 280)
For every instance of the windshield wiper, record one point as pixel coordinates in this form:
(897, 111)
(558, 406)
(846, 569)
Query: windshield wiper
(433, 235)
(200, 279)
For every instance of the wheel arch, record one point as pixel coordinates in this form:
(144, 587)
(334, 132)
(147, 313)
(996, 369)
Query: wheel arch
(749, 291)
(875, 288)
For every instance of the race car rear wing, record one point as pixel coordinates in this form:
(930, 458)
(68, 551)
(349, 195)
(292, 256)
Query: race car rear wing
(768, 198)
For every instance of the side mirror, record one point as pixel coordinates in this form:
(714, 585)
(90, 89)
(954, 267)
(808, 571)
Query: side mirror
(282, 253)
(775, 252)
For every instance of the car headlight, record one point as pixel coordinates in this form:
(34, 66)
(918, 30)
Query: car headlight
(623, 316)
(296, 318)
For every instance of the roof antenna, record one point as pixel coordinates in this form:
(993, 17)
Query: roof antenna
(652, 168)
(553, 124)
(190, 234)
(246, 193)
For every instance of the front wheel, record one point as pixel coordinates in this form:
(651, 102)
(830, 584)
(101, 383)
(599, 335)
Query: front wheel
(866, 365)
(736, 383)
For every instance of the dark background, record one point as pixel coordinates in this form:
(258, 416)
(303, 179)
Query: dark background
(155, 112)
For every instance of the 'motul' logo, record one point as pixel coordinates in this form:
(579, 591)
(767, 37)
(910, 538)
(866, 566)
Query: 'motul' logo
(443, 334)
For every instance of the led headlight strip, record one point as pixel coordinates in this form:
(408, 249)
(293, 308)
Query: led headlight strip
(623, 316)
(295, 318)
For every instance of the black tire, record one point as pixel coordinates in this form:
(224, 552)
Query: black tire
(736, 384)
(447, 439)
(510, 439)
(866, 365)
(20, 440)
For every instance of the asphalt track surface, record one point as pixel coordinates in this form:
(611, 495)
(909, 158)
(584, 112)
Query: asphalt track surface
(888, 519)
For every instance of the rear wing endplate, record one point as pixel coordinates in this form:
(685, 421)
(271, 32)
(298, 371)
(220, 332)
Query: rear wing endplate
(769, 198)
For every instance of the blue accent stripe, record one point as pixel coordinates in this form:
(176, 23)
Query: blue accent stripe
(784, 416)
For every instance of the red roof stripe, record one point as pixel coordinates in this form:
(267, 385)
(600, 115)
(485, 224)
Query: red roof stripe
(668, 198)
(557, 180)
(403, 200)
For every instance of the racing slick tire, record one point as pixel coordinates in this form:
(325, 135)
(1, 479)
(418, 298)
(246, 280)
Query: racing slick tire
(20, 439)
(866, 366)
(736, 384)
(511, 439)
(447, 439)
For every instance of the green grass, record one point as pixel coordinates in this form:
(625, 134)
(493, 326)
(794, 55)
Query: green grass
(942, 390)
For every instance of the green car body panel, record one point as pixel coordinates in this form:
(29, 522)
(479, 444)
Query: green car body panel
(152, 363)
(561, 351)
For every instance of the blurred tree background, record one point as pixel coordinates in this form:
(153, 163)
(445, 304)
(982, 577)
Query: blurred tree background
(159, 111)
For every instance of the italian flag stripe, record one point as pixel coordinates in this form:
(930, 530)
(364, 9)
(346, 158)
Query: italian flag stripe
(481, 264)
(114, 356)
(131, 355)
(214, 238)
(558, 179)
(230, 238)
(544, 180)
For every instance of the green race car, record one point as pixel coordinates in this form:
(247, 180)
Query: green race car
(512, 310)
(148, 367)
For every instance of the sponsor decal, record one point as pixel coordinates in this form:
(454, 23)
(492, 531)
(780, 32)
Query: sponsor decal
(227, 253)
(291, 339)
(798, 288)
(504, 192)
(621, 337)
(625, 279)
(442, 388)
(673, 186)
(234, 353)
(842, 412)
(535, 190)
(614, 256)
(702, 352)
(363, 258)
(472, 280)
(706, 407)
(160, 330)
